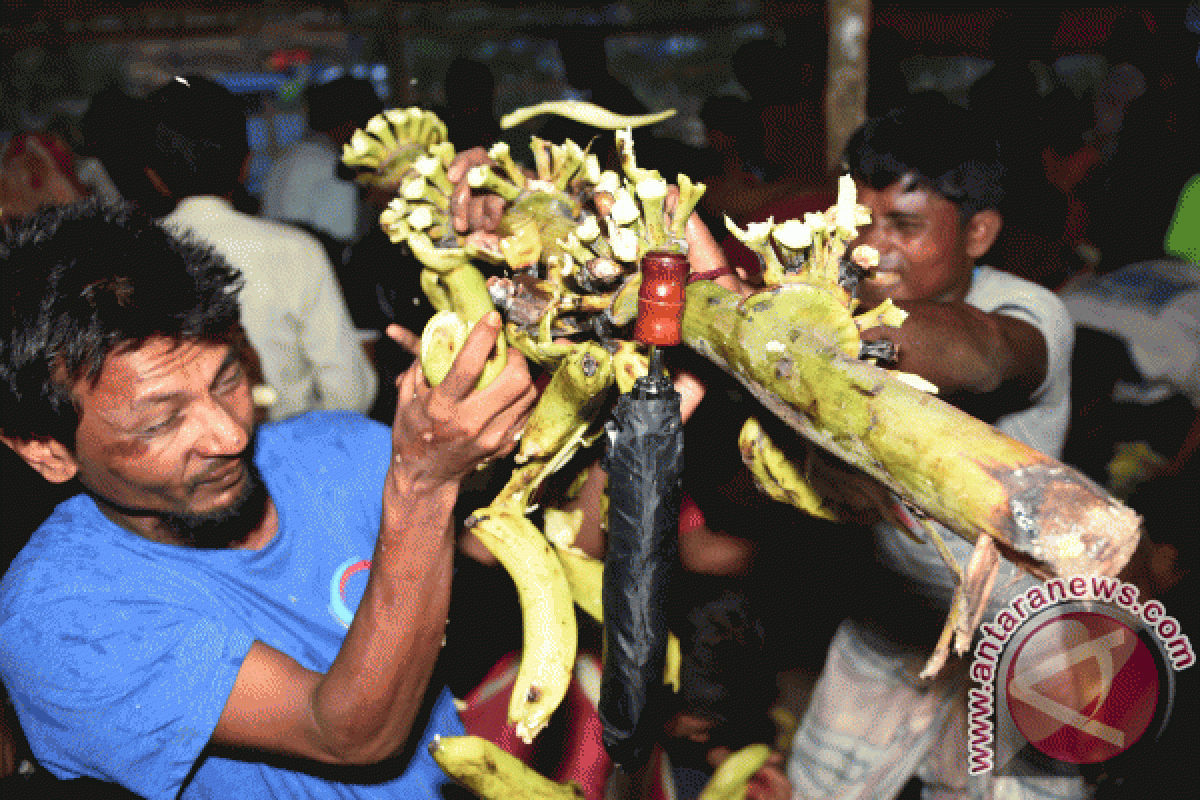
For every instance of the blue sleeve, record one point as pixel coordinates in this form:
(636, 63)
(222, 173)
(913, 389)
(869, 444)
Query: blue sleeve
(126, 691)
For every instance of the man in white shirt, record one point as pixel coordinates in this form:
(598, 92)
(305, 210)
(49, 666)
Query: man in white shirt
(303, 184)
(292, 306)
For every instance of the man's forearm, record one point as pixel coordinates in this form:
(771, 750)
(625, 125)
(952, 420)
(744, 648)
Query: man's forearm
(365, 704)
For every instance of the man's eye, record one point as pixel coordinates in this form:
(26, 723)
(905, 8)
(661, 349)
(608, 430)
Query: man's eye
(161, 425)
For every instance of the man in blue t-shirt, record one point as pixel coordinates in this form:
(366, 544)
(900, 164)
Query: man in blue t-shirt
(221, 612)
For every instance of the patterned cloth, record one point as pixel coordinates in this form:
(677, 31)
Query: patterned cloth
(872, 725)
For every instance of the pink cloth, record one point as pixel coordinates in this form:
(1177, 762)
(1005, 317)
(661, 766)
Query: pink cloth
(570, 748)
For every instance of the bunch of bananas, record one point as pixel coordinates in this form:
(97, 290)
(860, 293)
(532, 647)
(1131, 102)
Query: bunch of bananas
(570, 243)
(571, 238)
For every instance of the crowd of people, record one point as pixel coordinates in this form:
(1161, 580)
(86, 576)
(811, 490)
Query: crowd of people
(210, 404)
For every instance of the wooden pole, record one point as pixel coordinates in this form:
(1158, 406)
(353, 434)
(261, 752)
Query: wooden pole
(846, 81)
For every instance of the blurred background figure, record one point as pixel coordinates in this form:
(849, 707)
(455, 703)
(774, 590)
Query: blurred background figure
(36, 169)
(469, 113)
(304, 185)
(293, 309)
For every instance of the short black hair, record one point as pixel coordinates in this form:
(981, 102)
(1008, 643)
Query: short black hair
(344, 99)
(937, 145)
(84, 281)
(198, 139)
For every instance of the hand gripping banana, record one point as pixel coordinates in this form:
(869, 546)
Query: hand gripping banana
(730, 780)
(494, 774)
(550, 635)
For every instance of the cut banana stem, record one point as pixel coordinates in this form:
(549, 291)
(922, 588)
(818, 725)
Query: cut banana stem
(443, 337)
(495, 774)
(547, 611)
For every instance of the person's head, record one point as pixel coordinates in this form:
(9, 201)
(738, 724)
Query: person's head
(341, 106)
(934, 182)
(726, 682)
(470, 87)
(120, 366)
(198, 140)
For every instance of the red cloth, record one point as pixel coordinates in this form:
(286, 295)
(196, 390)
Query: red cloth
(571, 747)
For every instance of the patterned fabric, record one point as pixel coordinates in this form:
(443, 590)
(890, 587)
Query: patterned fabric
(871, 725)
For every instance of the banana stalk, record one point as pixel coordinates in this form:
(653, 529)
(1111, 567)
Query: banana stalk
(959, 470)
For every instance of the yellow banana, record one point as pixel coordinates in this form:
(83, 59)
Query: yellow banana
(775, 475)
(573, 396)
(495, 774)
(550, 635)
(730, 780)
(586, 578)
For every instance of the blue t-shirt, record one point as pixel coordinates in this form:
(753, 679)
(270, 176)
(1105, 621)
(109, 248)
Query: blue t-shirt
(120, 653)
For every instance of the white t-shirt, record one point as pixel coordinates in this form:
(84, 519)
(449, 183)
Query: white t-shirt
(292, 308)
(302, 186)
(1043, 426)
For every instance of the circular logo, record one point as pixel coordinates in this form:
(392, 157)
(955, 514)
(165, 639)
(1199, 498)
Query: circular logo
(1084, 685)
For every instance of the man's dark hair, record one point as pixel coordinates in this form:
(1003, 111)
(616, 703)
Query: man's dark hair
(932, 143)
(339, 101)
(198, 139)
(84, 281)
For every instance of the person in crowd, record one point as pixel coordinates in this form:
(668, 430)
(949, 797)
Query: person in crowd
(789, 111)
(172, 627)
(293, 309)
(36, 169)
(304, 185)
(933, 182)
(1138, 333)
(726, 690)
(469, 113)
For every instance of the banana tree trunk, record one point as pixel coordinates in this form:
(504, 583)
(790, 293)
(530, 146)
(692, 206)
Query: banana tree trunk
(959, 470)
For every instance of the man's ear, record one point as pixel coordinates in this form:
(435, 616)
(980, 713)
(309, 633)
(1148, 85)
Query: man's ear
(982, 229)
(49, 457)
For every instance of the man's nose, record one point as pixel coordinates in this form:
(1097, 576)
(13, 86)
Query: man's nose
(223, 432)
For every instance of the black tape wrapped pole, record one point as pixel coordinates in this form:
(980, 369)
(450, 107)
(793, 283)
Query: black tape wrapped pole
(644, 464)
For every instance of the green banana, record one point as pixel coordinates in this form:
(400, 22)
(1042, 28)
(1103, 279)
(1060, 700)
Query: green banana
(494, 774)
(547, 611)
(587, 113)
(569, 402)
(443, 337)
(730, 780)
(776, 476)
